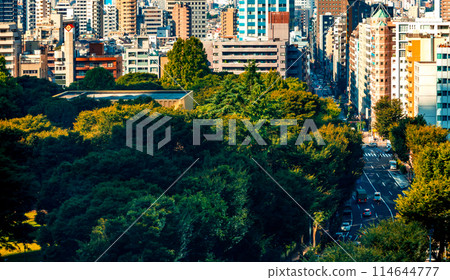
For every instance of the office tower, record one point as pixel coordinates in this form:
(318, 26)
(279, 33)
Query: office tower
(127, 11)
(10, 44)
(181, 15)
(253, 16)
(152, 19)
(8, 11)
(325, 22)
(110, 19)
(304, 4)
(229, 23)
(199, 9)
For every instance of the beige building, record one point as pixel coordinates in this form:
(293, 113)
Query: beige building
(228, 23)
(34, 64)
(199, 9)
(127, 12)
(181, 16)
(233, 56)
(10, 46)
(153, 18)
(370, 69)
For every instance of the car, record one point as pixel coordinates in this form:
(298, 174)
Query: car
(367, 213)
(377, 196)
(372, 144)
(345, 226)
(389, 150)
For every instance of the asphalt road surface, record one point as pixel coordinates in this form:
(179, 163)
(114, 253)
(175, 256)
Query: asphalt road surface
(376, 177)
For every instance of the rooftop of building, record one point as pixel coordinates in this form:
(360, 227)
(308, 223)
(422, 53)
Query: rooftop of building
(115, 95)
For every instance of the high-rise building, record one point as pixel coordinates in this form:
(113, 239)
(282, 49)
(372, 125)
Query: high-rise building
(42, 11)
(153, 18)
(403, 31)
(199, 8)
(89, 14)
(442, 7)
(110, 19)
(8, 11)
(10, 45)
(421, 48)
(127, 11)
(229, 23)
(30, 21)
(253, 16)
(370, 79)
(181, 15)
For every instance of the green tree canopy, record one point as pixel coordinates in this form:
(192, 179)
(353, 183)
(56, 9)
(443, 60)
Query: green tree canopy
(95, 79)
(418, 136)
(387, 241)
(429, 197)
(387, 114)
(138, 81)
(187, 63)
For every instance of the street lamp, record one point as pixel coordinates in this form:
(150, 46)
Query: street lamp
(430, 234)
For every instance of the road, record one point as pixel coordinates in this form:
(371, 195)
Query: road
(376, 177)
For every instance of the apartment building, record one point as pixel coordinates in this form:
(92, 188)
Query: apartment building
(425, 91)
(153, 18)
(228, 20)
(371, 46)
(199, 10)
(110, 19)
(443, 86)
(233, 56)
(30, 21)
(34, 64)
(43, 8)
(403, 31)
(10, 46)
(8, 11)
(141, 60)
(90, 16)
(127, 11)
(421, 48)
(181, 16)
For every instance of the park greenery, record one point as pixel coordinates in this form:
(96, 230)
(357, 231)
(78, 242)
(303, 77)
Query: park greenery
(68, 161)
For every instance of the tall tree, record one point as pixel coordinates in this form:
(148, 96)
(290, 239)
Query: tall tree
(428, 199)
(9, 90)
(187, 63)
(387, 113)
(138, 81)
(418, 136)
(397, 135)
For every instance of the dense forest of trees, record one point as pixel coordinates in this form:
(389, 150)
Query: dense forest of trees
(69, 161)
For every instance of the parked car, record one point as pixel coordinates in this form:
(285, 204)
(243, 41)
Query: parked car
(345, 226)
(377, 196)
(367, 213)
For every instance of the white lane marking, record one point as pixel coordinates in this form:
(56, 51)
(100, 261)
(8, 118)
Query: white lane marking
(360, 215)
(358, 206)
(360, 226)
(378, 175)
(383, 184)
(378, 159)
(372, 205)
(383, 166)
(376, 215)
(372, 166)
(392, 216)
(390, 193)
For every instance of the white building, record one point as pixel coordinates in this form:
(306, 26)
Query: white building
(10, 46)
(141, 60)
(399, 61)
(89, 14)
(110, 19)
(425, 90)
(153, 18)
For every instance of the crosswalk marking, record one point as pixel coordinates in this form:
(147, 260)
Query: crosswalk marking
(376, 155)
